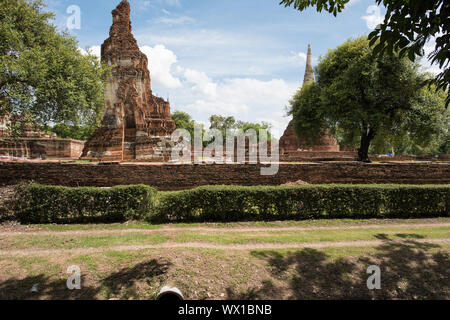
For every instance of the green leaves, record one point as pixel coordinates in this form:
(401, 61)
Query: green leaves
(332, 6)
(43, 72)
(53, 204)
(236, 203)
(407, 28)
(360, 91)
(72, 132)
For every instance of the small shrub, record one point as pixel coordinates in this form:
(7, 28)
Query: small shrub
(53, 204)
(7, 195)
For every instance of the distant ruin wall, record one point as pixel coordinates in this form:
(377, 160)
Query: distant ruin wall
(33, 148)
(317, 155)
(178, 177)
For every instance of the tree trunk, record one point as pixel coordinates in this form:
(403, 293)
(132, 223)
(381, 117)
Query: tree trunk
(363, 151)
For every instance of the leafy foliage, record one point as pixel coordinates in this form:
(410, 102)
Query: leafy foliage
(361, 97)
(54, 204)
(184, 121)
(50, 204)
(72, 132)
(407, 28)
(42, 72)
(424, 130)
(235, 203)
(409, 25)
(333, 6)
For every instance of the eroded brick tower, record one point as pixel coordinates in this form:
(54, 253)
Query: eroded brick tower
(136, 124)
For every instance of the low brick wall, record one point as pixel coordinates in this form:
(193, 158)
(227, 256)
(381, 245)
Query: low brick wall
(318, 155)
(352, 155)
(36, 147)
(178, 177)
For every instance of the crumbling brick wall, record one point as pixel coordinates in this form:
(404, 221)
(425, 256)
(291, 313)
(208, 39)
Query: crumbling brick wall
(178, 177)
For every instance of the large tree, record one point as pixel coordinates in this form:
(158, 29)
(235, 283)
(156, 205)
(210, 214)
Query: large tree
(43, 74)
(364, 97)
(407, 28)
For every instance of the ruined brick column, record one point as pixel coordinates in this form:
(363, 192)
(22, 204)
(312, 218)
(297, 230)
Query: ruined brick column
(136, 124)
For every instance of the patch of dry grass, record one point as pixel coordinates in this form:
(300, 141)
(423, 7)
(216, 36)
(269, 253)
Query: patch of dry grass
(411, 268)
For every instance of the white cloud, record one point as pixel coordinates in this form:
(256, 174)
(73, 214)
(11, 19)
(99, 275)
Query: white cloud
(230, 54)
(200, 39)
(296, 59)
(145, 4)
(218, 107)
(426, 63)
(95, 50)
(173, 3)
(374, 18)
(247, 99)
(202, 84)
(178, 20)
(352, 2)
(161, 61)
(303, 56)
(255, 92)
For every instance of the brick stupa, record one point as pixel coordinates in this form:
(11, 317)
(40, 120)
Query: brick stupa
(289, 141)
(136, 124)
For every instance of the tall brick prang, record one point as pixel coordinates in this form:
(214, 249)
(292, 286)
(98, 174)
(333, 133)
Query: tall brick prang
(309, 73)
(136, 124)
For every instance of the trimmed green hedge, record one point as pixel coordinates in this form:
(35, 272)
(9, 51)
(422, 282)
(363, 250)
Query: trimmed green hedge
(53, 204)
(235, 203)
(49, 204)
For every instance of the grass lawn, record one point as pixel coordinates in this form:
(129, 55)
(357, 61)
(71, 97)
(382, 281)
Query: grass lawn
(325, 259)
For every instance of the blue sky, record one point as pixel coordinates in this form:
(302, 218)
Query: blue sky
(241, 58)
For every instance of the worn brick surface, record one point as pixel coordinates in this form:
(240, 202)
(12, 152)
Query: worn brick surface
(178, 177)
(36, 147)
(134, 116)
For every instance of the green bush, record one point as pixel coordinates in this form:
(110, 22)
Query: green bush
(233, 203)
(53, 204)
(49, 204)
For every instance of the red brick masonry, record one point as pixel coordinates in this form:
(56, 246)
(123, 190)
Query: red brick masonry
(33, 148)
(178, 177)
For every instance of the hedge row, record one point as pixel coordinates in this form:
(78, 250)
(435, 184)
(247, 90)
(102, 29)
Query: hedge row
(46, 204)
(232, 203)
(53, 204)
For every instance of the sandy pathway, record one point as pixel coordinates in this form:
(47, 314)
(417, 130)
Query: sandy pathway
(239, 247)
(221, 230)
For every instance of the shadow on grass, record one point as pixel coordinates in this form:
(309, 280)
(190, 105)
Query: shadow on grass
(120, 283)
(408, 271)
(124, 281)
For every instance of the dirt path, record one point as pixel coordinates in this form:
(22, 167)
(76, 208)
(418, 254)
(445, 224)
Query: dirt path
(219, 230)
(199, 245)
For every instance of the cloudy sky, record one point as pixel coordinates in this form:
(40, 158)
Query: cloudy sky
(241, 58)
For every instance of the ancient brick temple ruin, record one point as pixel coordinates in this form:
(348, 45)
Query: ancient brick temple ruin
(289, 143)
(136, 125)
(33, 144)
